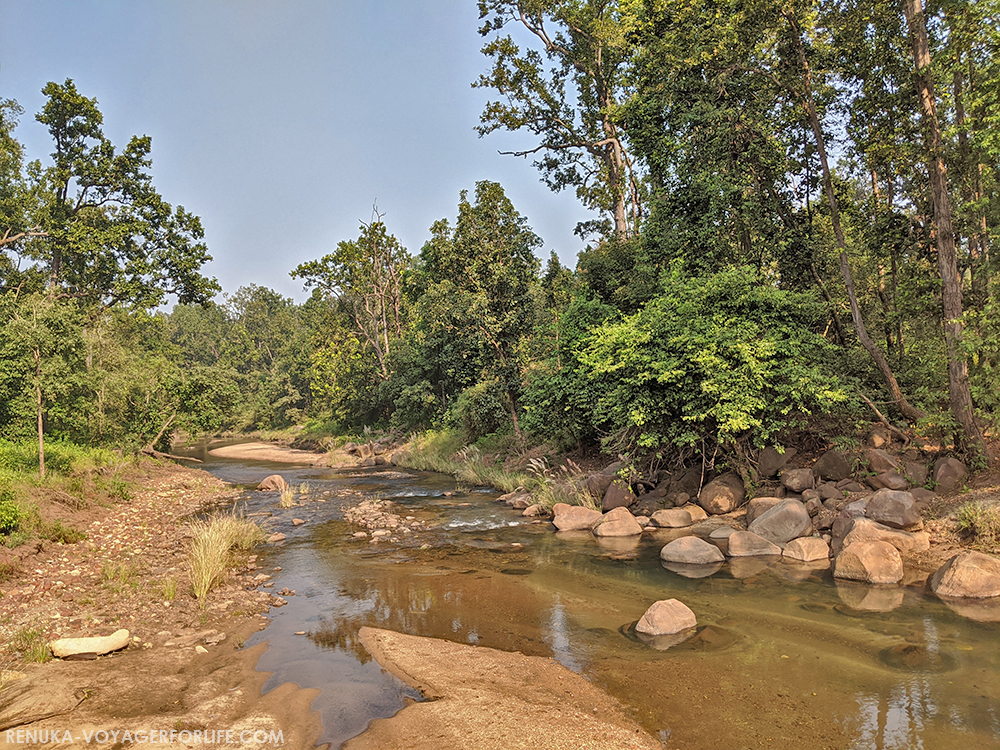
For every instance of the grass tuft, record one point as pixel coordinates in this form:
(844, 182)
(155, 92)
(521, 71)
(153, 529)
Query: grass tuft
(287, 498)
(982, 522)
(211, 551)
(30, 643)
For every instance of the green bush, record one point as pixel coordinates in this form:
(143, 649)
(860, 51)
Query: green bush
(480, 410)
(11, 514)
(721, 358)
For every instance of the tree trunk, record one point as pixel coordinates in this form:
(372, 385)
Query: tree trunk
(909, 411)
(959, 394)
(38, 402)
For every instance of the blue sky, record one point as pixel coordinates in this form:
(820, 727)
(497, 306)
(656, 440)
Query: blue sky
(279, 123)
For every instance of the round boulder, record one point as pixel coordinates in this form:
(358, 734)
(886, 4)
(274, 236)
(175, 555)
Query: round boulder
(672, 518)
(574, 517)
(666, 617)
(948, 474)
(787, 520)
(970, 575)
(869, 562)
(617, 522)
(797, 480)
(895, 509)
(832, 465)
(273, 483)
(807, 549)
(723, 494)
(691, 550)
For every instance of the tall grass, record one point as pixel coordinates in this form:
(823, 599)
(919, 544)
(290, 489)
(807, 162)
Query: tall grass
(442, 451)
(981, 521)
(210, 553)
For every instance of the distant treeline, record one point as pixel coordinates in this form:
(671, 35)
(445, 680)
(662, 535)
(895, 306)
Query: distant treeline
(796, 208)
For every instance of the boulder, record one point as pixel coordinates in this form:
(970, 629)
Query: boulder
(688, 481)
(720, 537)
(879, 437)
(915, 473)
(723, 494)
(770, 462)
(692, 551)
(797, 480)
(807, 549)
(618, 495)
(855, 509)
(893, 480)
(666, 617)
(923, 496)
(879, 461)
(849, 485)
(949, 474)
(847, 532)
(895, 509)
(65, 648)
(673, 518)
(832, 465)
(758, 506)
(748, 544)
(574, 517)
(787, 520)
(617, 522)
(273, 483)
(968, 574)
(869, 562)
(597, 485)
(696, 512)
(813, 506)
(829, 491)
(533, 511)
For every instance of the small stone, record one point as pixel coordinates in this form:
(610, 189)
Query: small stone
(297, 521)
(672, 518)
(276, 537)
(201, 649)
(949, 473)
(723, 494)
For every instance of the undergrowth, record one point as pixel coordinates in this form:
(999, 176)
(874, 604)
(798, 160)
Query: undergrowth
(211, 551)
(981, 521)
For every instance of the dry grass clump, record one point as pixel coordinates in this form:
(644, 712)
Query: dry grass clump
(211, 551)
(981, 521)
(287, 498)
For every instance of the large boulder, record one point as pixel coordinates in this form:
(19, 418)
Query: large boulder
(832, 465)
(273, 483)
(597, 485)
(851, 531)
(723, 494)
(672, 518)
(574, 517)
(65, 648)
(666, 617)
(759, 506)
(807, 549)
(869, 562)
(692, 551)
(880, 461)
(770, 462)
(617, 522)
(895, 509)
(968, 574)
(893, 480)
(787, 520)
(618, 495)
(748, 544)
(915, 473)
(798, 480)
(949, 473)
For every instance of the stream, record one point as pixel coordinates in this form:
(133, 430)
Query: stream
(784, 656)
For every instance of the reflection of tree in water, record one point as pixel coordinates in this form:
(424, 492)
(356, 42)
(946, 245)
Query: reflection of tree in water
(337, 637)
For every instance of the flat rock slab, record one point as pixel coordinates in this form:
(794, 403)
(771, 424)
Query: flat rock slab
(36, 698)
(492, 700)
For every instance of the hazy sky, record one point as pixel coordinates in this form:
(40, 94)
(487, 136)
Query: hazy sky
(279, 123)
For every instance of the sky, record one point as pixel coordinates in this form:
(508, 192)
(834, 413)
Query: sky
(280, 123)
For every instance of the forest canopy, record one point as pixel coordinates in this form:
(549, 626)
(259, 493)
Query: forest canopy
(795, 208)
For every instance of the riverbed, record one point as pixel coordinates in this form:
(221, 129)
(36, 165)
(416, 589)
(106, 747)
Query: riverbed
(784, 656)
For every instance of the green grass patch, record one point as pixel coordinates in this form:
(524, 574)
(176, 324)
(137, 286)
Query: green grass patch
(30, 643)
(57, 532)
(118, 577)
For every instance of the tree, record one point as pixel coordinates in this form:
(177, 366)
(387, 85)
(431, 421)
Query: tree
(108, 237)
(959, 393)
(364, 278)
(569, 99)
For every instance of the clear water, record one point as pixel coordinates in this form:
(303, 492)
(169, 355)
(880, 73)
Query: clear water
(784, 656)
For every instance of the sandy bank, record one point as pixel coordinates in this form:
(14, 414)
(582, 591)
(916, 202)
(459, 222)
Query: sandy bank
(268, 452)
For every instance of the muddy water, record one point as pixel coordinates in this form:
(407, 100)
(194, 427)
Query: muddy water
(784, 656)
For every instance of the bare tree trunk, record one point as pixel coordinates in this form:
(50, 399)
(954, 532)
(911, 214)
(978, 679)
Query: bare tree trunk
(909, 411)
(38, 403)
(959, 394)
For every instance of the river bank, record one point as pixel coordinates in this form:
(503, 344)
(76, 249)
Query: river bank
(185, 668)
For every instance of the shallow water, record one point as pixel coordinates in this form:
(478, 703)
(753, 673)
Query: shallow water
(783, 657)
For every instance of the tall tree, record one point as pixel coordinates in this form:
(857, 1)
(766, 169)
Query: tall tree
(567, 95)
(959, 393)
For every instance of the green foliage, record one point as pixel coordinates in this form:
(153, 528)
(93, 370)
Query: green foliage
(480, 410)
(722, 358)
(11, 514)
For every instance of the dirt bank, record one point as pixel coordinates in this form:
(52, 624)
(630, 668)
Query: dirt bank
(185, 668)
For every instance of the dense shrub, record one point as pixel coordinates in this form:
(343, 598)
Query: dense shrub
(480, 410)
(720, 358)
